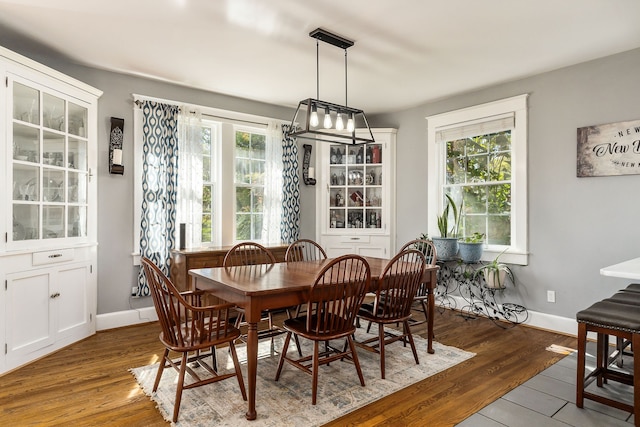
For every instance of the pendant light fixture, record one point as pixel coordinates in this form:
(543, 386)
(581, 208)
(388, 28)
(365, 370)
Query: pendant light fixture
(306, 121)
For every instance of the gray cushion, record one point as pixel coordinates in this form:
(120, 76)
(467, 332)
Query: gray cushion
(633, 287)
(626, 297)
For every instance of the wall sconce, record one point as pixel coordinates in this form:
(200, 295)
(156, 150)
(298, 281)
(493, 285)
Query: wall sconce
(115, 146)
(308, 174)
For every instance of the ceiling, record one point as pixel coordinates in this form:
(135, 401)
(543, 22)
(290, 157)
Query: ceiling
(406, 52)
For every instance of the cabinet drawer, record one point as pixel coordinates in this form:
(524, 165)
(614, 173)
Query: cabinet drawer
(213, 261)
(51, 257)
(355, 239)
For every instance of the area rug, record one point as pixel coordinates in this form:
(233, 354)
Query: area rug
(287, 402)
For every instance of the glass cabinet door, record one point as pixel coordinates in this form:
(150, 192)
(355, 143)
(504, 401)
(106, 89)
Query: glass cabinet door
(49, 165)
(355, 186)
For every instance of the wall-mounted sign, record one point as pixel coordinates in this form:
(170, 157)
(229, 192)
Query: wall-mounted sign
(610, 149)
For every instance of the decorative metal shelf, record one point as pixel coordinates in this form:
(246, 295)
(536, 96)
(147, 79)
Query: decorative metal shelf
(480, 300)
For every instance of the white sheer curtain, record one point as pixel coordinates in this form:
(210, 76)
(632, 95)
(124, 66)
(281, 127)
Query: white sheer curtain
(190, 175)
(272, 184)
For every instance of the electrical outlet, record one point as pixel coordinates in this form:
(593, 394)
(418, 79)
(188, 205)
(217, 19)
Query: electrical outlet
(134, 291)
(551, 296)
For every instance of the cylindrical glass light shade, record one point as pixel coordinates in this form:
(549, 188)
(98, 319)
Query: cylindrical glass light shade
(350, 124)
(327, 119)
(313, 119)
(339, 122)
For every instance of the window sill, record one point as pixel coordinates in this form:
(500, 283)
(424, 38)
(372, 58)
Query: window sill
(509, 257)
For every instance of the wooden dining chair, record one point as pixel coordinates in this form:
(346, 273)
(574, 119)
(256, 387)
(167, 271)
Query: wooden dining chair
(192, 330)
(248, 253)
(429, 251)
(252, 253)
(332, 305)
(394, 295)
(304, 250)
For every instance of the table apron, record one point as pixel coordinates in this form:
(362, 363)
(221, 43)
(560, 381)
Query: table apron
(252, 304)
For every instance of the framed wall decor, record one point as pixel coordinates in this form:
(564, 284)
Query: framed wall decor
(609, 149)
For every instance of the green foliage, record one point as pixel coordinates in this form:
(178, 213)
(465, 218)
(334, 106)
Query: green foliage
(443, 220)
(493, 270)
(481, 159)
(474, 238)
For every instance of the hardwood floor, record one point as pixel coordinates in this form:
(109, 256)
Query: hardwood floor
(88, 383)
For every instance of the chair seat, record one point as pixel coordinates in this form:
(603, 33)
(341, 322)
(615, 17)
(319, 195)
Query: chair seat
(612, 315)
(298, 326)
(366, 312)
(199, 340)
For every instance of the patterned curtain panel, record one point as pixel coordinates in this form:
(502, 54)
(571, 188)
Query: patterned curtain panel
(290, 222)
(159, 186)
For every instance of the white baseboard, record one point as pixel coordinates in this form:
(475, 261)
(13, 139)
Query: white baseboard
(119, 319)
(549, 322)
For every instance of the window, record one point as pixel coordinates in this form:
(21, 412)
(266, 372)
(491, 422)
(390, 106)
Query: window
(478, 156)
(250, 161)
(210, 235)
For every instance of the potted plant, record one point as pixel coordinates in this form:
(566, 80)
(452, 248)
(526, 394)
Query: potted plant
(447, 244)
(470, 248)
(496, 273)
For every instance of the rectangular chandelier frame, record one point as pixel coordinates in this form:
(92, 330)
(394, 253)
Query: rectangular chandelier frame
(304, 130)
(306, 124)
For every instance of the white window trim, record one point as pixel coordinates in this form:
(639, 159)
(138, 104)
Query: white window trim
(216, 200)
(517, 253)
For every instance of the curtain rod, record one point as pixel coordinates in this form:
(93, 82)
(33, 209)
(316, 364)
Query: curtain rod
(139, 104)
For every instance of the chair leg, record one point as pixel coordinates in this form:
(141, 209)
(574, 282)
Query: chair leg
(180, 385)
(283, 355)
(381, 342)
(601, 357)
(236, 364)
(582, 351)
(356, 361)
(239, 319)
(163, 361)
(409, 336)
(295, 337)
(214, 359)
(315, 365)
(635, 341)
(620, 348)
(297, 340)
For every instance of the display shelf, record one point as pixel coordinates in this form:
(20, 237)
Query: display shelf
(358, 207)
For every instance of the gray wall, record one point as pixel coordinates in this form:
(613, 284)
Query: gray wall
(576, 225)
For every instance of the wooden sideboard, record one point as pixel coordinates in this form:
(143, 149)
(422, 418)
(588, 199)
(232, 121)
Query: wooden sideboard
(183, 260)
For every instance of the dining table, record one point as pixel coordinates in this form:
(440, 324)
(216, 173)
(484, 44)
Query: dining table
(261, 287)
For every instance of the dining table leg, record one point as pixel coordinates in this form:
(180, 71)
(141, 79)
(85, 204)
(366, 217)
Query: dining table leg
(252, 368)
(431, 301)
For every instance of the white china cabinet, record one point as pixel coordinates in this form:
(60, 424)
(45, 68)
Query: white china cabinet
(48, 214)
(356, 196)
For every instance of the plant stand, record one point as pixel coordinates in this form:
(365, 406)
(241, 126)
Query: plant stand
(458, 277)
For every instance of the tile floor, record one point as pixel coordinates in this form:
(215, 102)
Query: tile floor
(548, 399)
